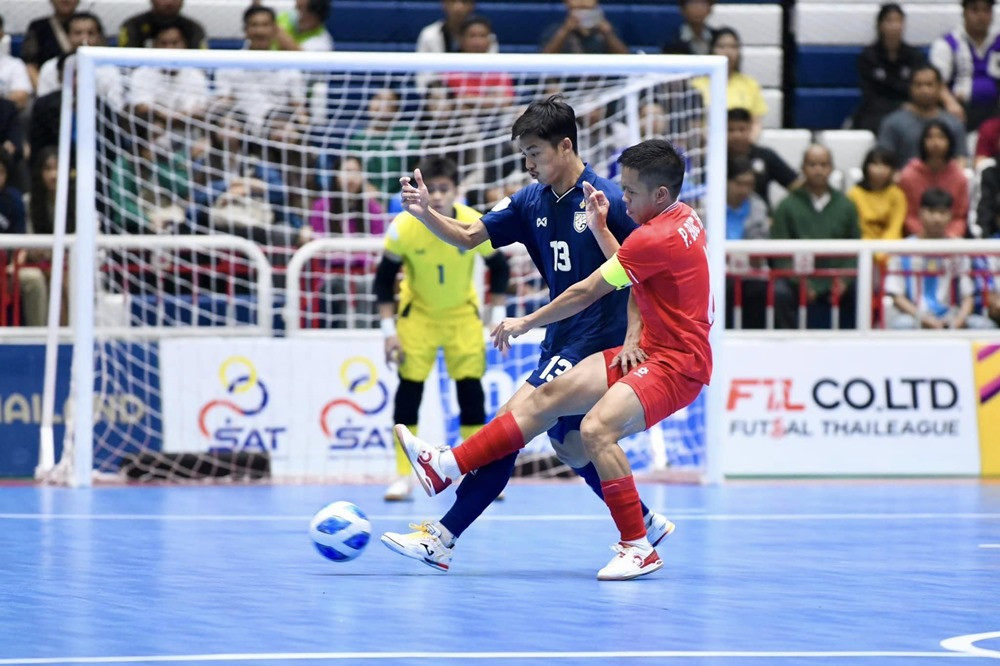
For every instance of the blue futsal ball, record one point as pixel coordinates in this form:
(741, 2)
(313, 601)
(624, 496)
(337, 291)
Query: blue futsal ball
(340, 531)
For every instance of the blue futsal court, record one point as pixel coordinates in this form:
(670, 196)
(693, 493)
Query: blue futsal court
(839, 572)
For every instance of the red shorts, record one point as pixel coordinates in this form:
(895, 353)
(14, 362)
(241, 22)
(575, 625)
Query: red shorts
(660, 388)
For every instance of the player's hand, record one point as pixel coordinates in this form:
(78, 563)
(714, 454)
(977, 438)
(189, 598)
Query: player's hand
(597, 207)
(416, 199)
(507, 329)
(629, 358)
(393, 352)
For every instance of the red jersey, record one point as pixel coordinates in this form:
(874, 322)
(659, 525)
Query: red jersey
(666, 260)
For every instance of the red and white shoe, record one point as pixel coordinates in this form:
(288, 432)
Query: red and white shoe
(658, 528)
(630, 562)
(425, 460)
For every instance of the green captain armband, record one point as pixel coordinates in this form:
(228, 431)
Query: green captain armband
(614, 273)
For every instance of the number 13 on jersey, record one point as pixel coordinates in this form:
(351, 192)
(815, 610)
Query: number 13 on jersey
(560, 256)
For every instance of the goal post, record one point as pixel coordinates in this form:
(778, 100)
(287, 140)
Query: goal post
(114, 235)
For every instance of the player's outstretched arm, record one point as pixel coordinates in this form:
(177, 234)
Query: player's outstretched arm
(631, 355)
(597, 219)
(417, 202)
(573, 300)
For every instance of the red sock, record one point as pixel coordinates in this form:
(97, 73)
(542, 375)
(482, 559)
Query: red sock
(622, 498)
(497, 439)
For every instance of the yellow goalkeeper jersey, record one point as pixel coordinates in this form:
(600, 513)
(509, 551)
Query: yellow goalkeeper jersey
(437, 277)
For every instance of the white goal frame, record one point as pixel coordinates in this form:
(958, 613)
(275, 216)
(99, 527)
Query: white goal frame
(87, 240)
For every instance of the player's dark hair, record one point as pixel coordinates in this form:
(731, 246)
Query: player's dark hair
(475, 19)
(966, 3)
(1, 21)
(936, 199)
(437, 166)
(739, 115)
(939, 124)
(657, 163)
(737, 166)
(253, 10)
(885, 10)
(551, 120)
(85, 16)
(877, 155)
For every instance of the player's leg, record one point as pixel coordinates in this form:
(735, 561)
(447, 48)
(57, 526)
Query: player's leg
(465, 358)
(568, 446)
(619, 414)
(634, 403)
(572, 392)
(433, 542)
(419, 354)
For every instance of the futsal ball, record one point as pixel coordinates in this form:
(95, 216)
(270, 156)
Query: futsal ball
(340, 531)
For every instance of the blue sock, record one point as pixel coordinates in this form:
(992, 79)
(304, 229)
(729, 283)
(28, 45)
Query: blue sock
(589, 474)
(476, 492)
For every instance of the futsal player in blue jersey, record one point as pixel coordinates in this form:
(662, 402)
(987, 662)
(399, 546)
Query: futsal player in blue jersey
(549, 218)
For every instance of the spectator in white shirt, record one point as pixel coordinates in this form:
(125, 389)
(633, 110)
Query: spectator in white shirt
(169, 94)
(261, 93)
(445, 35)
(15, 84)
(83, 29)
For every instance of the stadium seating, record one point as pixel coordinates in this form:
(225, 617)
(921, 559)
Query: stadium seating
(848, 147)
(830, 36)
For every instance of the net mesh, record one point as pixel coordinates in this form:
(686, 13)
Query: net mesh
(281, 157)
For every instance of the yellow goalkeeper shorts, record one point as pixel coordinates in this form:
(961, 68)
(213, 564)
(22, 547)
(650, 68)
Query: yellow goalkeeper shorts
(459, 334)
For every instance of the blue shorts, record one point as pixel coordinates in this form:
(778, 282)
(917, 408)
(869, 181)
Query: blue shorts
(551, 364)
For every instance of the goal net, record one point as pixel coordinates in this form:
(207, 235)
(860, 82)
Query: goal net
(239, 201)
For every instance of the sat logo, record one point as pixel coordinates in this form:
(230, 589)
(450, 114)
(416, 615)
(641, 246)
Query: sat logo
(247, 396)
(350, 423)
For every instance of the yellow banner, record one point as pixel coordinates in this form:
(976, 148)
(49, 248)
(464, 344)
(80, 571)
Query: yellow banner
(987, 373)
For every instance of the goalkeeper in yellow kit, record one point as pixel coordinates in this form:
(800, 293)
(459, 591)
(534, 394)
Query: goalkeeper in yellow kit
(438, 309)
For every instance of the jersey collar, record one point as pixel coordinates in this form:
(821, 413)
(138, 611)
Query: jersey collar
(588, 176)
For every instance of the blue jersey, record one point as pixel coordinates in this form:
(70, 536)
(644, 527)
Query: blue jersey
(554, 231)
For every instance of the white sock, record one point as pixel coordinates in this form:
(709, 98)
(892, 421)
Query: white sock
(642, 544)
(449, 466)
(447, 538)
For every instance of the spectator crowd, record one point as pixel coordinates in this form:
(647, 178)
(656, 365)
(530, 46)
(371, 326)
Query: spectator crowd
(262, 154)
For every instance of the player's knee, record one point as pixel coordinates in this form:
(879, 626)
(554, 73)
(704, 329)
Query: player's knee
(407, 402)
(545, 400)
(471, 399)
(570, 451)
(595, 433)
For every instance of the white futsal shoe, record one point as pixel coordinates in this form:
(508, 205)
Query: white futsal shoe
(423, 544)
(400, 490)
(426, 460)
(630, 562)
(658, 528)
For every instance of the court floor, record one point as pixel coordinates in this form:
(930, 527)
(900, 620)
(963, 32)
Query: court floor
(834, 572)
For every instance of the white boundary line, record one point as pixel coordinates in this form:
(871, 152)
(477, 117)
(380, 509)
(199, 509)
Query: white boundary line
(391, 656)
(680, 515)
(967, 644)
(989, 545)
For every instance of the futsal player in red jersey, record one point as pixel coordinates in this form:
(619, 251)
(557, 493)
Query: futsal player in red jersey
(665, 262)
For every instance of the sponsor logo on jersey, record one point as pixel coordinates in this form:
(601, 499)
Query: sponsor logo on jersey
(580, 221)
(542, 222)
